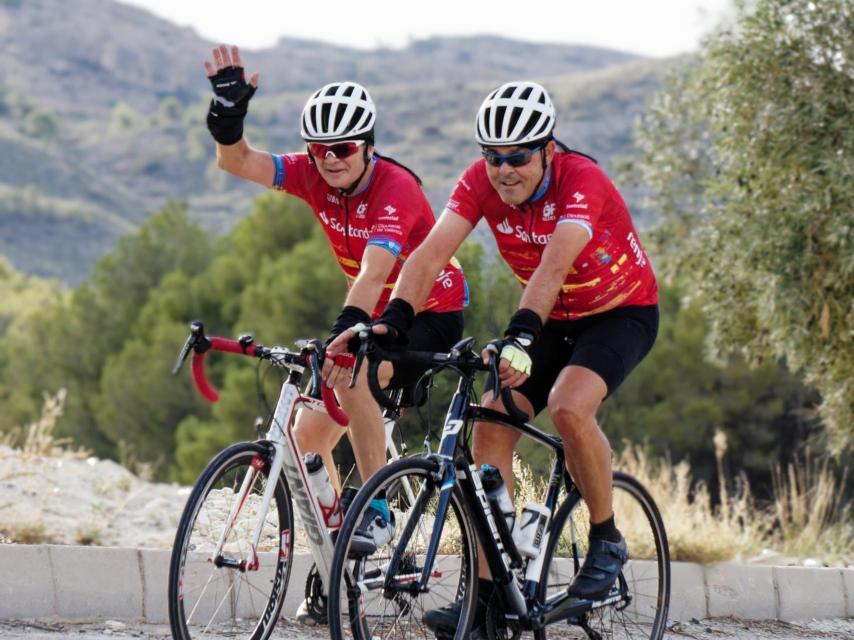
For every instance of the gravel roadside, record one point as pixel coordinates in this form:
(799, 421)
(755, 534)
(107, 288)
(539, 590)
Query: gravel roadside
(716, 629)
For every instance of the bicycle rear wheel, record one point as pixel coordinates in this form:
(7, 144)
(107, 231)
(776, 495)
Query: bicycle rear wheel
(640, 611)
(365, 600)
(223, 594)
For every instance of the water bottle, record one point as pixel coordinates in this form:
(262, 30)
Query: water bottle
(323, 491)
(497, 494)
(530, 527)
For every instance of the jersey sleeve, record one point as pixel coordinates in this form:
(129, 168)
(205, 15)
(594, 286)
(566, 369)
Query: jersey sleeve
(585, 197)
(464, 199)
(393, 220)
(294, 173)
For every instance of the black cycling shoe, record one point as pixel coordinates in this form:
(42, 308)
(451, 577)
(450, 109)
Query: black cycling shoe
(600, 569)
(443, 621)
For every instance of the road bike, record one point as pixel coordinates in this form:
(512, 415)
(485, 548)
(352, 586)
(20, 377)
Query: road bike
(386, 594)
(232, 556)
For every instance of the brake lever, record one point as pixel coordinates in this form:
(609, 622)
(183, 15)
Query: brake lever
(360, 356)
(182, 355)
(493, 368)
(196, 337)
(313, 348)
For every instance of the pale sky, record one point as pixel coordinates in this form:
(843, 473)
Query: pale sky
(654, 28)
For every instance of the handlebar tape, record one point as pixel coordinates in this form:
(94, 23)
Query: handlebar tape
(335, 412)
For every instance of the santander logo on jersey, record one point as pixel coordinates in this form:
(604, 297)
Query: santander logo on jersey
(519, 232)
(504, 227)
(333, 224)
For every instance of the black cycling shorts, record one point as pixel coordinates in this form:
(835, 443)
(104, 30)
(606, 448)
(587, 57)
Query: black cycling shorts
(431, 331)
(610, 344)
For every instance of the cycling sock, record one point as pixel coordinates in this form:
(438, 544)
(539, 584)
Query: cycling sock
(381, 505)
(605, 530)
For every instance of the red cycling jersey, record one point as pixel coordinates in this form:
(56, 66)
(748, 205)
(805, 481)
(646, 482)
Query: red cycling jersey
(391, 212)
(611, 271)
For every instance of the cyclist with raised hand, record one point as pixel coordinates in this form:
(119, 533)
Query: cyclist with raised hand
(588, 313)
(374, 214)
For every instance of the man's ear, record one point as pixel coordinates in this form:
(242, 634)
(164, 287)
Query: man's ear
(550, 150)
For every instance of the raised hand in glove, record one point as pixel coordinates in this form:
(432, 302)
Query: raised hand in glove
(231, 94)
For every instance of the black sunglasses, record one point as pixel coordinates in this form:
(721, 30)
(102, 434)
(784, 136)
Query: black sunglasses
(518, 159)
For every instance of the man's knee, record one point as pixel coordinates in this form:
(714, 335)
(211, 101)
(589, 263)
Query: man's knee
(573, 416)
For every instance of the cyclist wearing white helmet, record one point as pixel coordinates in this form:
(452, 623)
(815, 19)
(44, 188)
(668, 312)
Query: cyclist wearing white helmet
(374, 214)
(588, 313)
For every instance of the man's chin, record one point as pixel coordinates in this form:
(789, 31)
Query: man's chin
(511, 196)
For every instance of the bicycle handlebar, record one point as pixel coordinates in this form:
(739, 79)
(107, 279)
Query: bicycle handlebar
(309, 355)
(461, 357)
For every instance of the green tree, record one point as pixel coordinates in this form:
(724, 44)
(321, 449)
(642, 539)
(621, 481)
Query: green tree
(25, 298)
(675, 402)
(749, 157)
(42, 124)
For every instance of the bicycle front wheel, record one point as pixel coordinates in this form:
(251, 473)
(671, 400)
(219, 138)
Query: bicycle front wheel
(640, 611)
(377, 596)
(227, 592)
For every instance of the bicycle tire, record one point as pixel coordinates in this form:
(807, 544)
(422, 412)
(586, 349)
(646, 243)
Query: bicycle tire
(254, 616)
(645, 578)
(362, 618)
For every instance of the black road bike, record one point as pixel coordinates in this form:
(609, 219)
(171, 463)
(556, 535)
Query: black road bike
(432, 558)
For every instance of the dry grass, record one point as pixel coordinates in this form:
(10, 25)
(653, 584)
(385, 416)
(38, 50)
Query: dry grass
(696, 531)
(807, 518)
(37, 439)
(27, 533)
(89, 535)
(811, 519)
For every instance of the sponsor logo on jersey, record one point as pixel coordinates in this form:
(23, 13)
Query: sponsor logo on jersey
(389, 209)
(465, 184)
(335, 225)
(577, 204)
(532, 238)
(361, 210)
(331, 197)
(549, 211)
(453, 205)
(640, 258)
(504, 227)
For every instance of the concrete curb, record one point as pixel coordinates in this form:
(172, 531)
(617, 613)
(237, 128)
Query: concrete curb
(74, 583)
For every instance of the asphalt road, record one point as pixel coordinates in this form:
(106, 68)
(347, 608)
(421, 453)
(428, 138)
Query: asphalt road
(717, 629)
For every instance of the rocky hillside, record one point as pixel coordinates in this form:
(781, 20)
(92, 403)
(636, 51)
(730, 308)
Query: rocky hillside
(102, 117)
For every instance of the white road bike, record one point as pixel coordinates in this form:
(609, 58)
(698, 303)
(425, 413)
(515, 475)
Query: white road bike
(233, 550)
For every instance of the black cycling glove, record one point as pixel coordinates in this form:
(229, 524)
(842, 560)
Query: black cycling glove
(229, 104)
(398, 316)
(525, 327)
(349, 317)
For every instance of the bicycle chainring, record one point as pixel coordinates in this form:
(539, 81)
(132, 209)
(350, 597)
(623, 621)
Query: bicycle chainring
(497, 626)
(315, 601)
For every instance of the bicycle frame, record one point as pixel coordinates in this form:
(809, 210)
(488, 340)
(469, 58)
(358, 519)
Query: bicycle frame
(287, 460)
(456, 469)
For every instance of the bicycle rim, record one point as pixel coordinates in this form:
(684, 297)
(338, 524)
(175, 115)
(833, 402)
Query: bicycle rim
(365, 600)
(645, 580)
(209, 595)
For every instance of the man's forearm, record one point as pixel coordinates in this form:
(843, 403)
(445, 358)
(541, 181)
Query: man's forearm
(231, 157)
(416, 279)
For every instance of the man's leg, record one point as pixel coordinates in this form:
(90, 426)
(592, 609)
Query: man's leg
(573, 401)
(317, 432)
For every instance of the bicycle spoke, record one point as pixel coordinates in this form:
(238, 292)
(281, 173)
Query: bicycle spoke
(219, 594)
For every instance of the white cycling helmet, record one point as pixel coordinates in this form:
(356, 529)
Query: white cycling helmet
(516, 113)
(338, 111)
